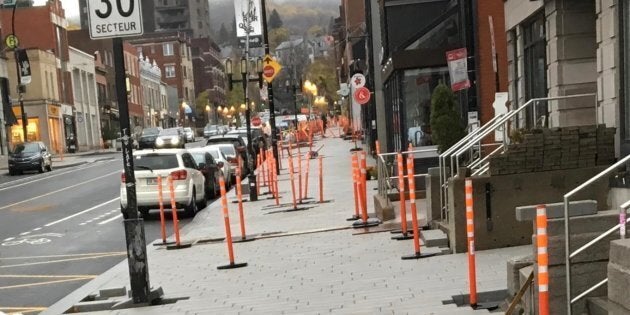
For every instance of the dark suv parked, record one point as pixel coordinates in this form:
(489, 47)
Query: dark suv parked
(29, 156)
(147, 139)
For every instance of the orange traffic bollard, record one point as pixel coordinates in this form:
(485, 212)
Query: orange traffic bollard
(470, 230)
(299, 160)
(308, 167)
(269, 170)
(178, 244)
(275, 183)
(403, 201)
(355, 188)
(362, 188)
(292, 178)
(162, 220)
(321, 179)
(258, 175)
(378, 147)
(239, 193)
(228, 232)
(263, 162)
(414, 212)
(543, 260)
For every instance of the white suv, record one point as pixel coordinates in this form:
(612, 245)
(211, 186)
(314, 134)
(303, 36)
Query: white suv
(188, 181)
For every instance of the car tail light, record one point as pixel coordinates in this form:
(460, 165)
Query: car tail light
(179, 175)
(122, 177)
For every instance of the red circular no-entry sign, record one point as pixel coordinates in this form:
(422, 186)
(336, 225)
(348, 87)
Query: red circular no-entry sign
(256, 121)
(362, 95)
(269, 71)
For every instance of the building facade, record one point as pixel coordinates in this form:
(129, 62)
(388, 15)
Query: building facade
(85, 95)
(209, 75)
(137, 115)
(172, 53)
(151, 84)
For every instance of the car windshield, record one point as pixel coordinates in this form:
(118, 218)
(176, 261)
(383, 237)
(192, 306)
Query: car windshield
(215, 153)
(214, 127)
(155, 161)
(188, 129)
(228, 150)
(26, 148)
(150, 132)
(169, 132)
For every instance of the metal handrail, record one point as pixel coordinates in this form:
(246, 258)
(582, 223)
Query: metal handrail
(506, 117)
(593, 288)
(385, 178)
(475, 164)
(567, 228)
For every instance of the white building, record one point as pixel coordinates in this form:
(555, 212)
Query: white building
(84, 91)
(153, 99)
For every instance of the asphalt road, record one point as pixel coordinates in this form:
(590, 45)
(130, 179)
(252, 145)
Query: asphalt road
(59, 230)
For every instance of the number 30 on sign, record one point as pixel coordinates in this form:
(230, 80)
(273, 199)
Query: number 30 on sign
(114, 18)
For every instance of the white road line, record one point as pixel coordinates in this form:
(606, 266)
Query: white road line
(43, 178)
(25, 233)
(110, 219)
(37, 229)
(9, 239)
(82, 212)
(59, 190)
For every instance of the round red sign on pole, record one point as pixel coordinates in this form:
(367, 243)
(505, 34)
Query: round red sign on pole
(362, 95)
(256, 121)
(268, 71)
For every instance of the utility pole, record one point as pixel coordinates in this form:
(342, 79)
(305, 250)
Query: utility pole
(272, 107)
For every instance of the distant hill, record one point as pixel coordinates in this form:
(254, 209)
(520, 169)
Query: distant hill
(297, 15)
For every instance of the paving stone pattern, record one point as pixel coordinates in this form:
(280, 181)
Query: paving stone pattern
(557, 149)
(332, 272)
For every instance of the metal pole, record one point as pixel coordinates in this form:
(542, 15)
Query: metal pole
(272, 107)
(19, 79)
(134, 226)
(253, 190)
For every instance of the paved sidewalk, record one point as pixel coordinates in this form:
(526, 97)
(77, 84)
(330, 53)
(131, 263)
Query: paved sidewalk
(70, 160)
(315, 266)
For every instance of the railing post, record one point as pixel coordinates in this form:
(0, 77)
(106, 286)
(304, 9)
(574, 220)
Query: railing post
(622, 222)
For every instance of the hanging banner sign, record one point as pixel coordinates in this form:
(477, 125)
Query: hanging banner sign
(248, 21)
(458, 69)
(25, 66)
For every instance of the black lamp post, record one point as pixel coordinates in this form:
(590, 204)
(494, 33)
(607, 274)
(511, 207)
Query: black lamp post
(253, 191)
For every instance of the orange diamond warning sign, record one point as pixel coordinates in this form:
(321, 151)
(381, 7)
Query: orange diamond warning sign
(271, 68)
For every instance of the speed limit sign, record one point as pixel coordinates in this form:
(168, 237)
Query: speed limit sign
(114, 18)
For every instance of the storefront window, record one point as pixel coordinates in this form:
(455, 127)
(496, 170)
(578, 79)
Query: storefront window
(535, 55)
(418, 88)
(32, 129)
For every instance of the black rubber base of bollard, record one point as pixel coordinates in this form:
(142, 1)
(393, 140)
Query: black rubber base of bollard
(400, 231)
(353, 218)
(403, 237)
(248, 238)
(180, 246)
(361, 224)
(163, 243)
(232, 266)
(417, 256)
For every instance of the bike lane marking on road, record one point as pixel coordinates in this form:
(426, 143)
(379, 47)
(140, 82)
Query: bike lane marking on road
(82, 212)
(12, 185)
(33, 284)
(63, 255)
(110, 219)
(59, 190)
(63, 260)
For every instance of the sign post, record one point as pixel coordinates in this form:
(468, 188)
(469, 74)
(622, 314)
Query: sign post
(116, 19)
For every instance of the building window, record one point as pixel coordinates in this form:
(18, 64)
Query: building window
(152, 49)
(167, 49)
(169, 71)
(535, 68)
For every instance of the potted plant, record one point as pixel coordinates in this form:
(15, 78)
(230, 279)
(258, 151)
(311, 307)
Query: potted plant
(446, 123)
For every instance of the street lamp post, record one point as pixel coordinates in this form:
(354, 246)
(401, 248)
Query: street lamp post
(253, 191)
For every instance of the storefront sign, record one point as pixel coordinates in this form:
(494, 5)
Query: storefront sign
(53, 111)
(458, 69)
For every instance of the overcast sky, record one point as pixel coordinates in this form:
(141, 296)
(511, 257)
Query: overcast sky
(70, 6)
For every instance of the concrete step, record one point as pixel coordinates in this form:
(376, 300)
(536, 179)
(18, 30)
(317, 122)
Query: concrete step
(434, 238)
(602, 306)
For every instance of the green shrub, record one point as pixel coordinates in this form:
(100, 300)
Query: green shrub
(446, 123)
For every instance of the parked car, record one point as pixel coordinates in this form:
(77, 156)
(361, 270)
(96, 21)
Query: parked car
(219, 157)
(239, 144)
(170, 138)
(189, 134)
(29, 156)
(212, 130)
(148, 137)
(230, 153)
(258, 139)
(188, 181)
(210, 169)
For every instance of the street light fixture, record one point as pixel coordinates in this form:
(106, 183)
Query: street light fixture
(253, 191)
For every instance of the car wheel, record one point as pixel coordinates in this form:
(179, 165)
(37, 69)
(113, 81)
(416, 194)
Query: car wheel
(191, 208)
(42, 166)
(12, 172)
(202, 203)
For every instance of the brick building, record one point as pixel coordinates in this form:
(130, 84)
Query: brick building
(42, 29)
(134, 89)
(209, 74)
(172, 53)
